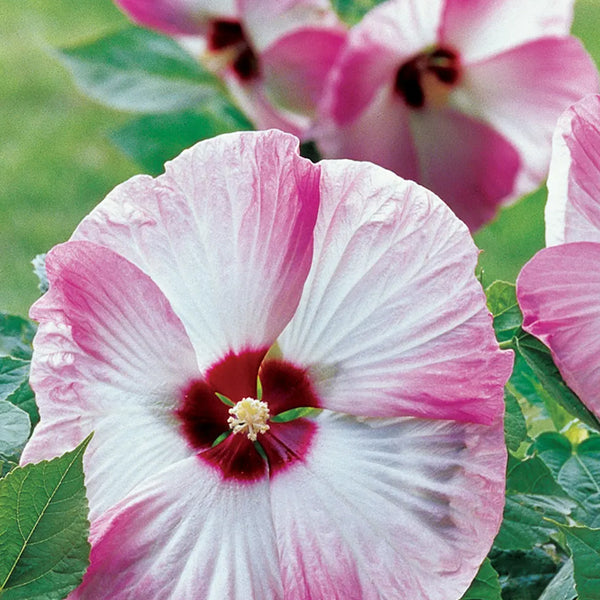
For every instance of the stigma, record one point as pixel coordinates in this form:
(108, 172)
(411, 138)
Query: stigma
(249, 416)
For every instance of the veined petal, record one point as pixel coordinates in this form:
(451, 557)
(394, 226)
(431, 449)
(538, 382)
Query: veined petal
(178, 17)
(522, 92)
(573, 207)
(392, 320)
(474, 177)
(433, 491)
(481, 28)
(110, 355)
(182, 535)
(229, 248)
(558, 291)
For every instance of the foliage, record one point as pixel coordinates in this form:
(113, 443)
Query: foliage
(43, 528)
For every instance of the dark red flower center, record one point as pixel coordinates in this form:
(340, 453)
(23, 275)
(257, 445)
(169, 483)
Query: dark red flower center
(228, 36)
(428, 78)
(204, 416)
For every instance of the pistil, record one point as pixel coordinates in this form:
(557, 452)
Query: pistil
(249, 416)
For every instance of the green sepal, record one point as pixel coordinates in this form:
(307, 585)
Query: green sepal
(221, 438)
(261, 451)
(224, 399)
(295, 413)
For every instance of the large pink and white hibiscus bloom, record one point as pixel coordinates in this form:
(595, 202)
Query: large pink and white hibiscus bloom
(274, 55)
(291, 375)
(559, 288)
(461, 96)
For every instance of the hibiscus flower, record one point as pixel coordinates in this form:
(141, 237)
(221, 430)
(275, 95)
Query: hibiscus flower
(559, 288)
(461, 96)
(291, 375)
(274, 56)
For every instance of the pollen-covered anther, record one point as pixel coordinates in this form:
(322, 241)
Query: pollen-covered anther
(249, 416)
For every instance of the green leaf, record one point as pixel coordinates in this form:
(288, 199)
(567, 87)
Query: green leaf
(585, 547)
(502, 303)
(24, 398)
(13, 372)
(531, 476)
(352, 11)
(16, 335)
(523, 574)
(151, 140)
(14, 430)
(137, 69)
(540, 361)
(44, 550)
(485, 586)
(533, 399)
(577, 469)
(535, 505)
(562, 586)
(515, 428)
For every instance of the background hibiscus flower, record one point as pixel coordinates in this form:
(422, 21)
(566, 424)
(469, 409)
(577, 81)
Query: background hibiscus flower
(459, 96)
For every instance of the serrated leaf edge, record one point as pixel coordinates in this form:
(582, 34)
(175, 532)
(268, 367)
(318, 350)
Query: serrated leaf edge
(77, 452)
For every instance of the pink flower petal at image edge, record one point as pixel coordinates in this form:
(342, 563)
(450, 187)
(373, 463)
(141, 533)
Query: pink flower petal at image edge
(559, 294)
(363, 116)
(404, 503)
(559, 288)
(573, 207)
(178, 17)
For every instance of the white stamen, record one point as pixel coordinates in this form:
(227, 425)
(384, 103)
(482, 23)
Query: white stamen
(250, 416)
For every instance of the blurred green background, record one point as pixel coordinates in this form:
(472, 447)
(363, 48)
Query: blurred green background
(57, 162)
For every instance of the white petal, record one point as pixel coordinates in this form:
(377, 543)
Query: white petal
(226, 233)
(185, 535)
(392, 321)
(393, 509)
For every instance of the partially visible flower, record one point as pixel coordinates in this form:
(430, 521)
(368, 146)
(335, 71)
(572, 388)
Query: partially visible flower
(461, 96)
(180, 17)
(559, 288)
(292, 377)
(274, 55)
